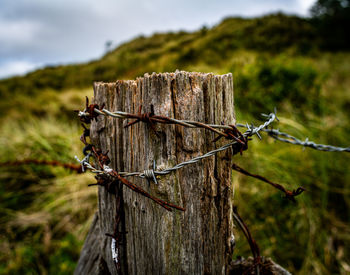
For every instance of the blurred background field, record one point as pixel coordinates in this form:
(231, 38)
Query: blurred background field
(276, 60)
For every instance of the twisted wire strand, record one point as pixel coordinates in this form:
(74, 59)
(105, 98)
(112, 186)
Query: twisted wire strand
(151, 174)
(274, 133)
(125, 115)
(284, 137)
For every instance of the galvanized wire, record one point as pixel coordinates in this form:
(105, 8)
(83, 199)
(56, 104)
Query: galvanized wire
(284, 137)
(151, 174)
(186, 123)
(124, 115)
(274, 133)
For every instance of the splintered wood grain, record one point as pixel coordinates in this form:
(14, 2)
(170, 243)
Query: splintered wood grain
(196, 241)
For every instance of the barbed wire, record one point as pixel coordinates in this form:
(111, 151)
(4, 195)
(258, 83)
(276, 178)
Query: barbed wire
(107, 176)
(92, 111)
(228, 131)
(274, 133)
(151, 174)
(288, 194)
(239, 142)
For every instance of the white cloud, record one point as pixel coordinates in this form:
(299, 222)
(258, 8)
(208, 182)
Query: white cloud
(305, 6)
(16, 68)
(18, 31)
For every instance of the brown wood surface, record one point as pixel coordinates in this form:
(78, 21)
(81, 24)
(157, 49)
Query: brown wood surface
(196, 241)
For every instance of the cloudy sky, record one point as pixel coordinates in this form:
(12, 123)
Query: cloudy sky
(35, 33)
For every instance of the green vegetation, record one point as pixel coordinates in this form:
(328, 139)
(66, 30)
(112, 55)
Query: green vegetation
(276, 60)
(45, 211)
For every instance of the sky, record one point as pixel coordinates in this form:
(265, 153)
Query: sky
(37, 33)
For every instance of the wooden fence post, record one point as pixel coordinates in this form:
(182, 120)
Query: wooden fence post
(197, 241)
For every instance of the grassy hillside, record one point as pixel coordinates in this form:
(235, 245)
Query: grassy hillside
(206, 50)
(276, 61)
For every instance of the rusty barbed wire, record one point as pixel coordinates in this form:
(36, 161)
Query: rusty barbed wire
(287, 138)
(92, 111)
(150, 174)
(106, 175)
(288, 194)
(230, 132)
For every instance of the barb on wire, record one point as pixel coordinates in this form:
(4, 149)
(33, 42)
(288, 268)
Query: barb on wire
(92, 111)
(285, 137)
(276, 134)
(89, 113)
(85, 134)
(289, 194)
(107, 176)
(238, 145)
(145, 117)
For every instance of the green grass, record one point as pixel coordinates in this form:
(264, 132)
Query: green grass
(45, 211)
(275, 61)
(304, 236)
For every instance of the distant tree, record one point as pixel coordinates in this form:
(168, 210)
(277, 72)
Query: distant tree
(108, 45)
(332, 19)
(329, 8)
(204, 29)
